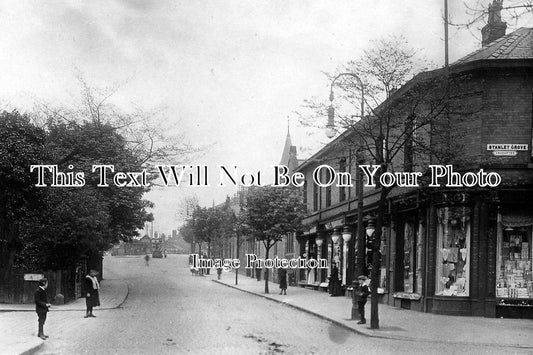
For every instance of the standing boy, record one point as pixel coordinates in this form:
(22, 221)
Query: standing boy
(42, 306)
(92, 288)
(362, 293)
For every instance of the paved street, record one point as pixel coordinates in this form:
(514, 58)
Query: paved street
(169, 311)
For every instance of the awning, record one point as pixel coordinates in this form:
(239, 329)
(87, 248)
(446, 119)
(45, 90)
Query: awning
(517, 218)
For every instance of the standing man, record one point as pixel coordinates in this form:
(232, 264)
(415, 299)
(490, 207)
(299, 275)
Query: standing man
(42, 306)
(362, 293)
(92, 288)
(282, 277)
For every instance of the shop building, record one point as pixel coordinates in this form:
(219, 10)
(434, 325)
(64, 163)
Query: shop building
(448, 250)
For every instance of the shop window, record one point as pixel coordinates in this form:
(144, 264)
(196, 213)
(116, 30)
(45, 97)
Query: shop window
(514, 262)
(409, 257)
(453, 254)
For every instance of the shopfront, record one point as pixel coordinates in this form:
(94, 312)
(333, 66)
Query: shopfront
(514, 269)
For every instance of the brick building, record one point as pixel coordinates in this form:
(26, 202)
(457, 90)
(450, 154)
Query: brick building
(448, 250)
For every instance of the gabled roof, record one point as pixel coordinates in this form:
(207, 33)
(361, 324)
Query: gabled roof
(515, 45)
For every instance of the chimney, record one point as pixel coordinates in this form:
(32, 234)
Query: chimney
(495, 28)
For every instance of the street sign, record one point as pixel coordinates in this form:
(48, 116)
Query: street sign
(504, 153)
(519, 147)
(33, 277)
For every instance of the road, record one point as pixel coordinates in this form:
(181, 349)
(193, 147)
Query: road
(168, 311)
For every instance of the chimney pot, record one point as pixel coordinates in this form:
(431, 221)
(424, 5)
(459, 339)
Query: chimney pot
(495, 28)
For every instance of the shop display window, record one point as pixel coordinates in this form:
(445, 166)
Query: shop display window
(409, 255)
(514, 262)
(453, 254)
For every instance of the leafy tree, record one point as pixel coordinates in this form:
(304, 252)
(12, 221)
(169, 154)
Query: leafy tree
(22, 144)
(271, 213)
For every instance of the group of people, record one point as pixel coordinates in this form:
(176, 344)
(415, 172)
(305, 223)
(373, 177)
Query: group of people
(201, 271)
(42, 305)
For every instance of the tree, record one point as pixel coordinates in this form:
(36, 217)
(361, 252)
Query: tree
(79, 222)
(271, 213)
(22, 144)
(242, 231)
(411, 117)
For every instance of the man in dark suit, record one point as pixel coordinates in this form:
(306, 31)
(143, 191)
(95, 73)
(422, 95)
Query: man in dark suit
(42, 306)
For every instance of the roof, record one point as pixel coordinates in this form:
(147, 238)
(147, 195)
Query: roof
(515, 45)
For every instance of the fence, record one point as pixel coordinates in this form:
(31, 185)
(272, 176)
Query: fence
(15, 289)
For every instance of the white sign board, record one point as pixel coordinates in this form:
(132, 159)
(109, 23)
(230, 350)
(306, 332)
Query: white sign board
(33, 277)
(504, 153)
(520, 147)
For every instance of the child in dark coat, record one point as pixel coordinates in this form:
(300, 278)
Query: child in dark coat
(362, 291)
(41, 306)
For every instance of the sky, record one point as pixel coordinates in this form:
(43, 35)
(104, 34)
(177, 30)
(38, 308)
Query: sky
(227, 75)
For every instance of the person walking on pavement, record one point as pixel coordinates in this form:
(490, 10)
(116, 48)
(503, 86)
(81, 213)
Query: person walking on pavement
(219, 272)
(92, 288)
(146, 259)
(282, 277)
(335, 287)
(362, 291)
(42, 306)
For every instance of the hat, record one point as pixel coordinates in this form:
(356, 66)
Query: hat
(42, 282)
(361, 277)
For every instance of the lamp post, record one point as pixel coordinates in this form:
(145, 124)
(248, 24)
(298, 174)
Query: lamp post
(346, 236)
(319, 241)
(238, 255)
(330, 127)
(335, 239)
(330, 133)
(370, 229)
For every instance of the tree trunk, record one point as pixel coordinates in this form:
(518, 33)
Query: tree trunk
(376, 260)
(265, 272)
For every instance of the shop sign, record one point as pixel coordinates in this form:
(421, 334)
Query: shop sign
(311, 231)
(334, 224)
(515, 147)
(504, 153)
(33, 277)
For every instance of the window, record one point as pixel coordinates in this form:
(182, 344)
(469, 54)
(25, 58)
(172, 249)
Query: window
(453, 251)
(315, 197)
(305, 193)
(342, 190)
(289, 245)
(514, 269)
(410, 137)
(328, 189)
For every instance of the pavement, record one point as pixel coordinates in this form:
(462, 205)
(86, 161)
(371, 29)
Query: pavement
(21, 338)
(395, 323)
